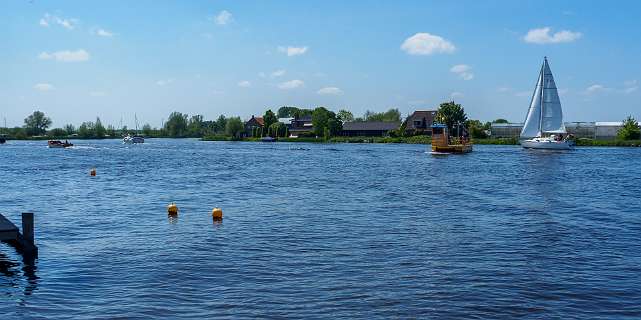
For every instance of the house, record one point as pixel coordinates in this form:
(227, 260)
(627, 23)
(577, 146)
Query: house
(251, 124)
(301, 126)
(369, 129)
(286, 121)
(420, 122)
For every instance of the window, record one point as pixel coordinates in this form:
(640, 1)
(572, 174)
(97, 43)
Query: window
(417, 123)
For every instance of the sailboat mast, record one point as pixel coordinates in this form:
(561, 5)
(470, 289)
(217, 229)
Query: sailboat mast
(541, 97)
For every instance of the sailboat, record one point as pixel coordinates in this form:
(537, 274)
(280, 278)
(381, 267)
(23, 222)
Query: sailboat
(544, 128)
(136, 138)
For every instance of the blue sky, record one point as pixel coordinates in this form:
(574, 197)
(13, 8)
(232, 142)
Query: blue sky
(76, 60)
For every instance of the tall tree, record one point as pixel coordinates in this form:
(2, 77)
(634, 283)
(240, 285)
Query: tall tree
(234, 127)
(195, 126)
(269, 118)
(176, 125)
(99, 129)
(391, 115)
(70, 129)
(451, 114)
(37, 123)
(287, 112)
(345, 115)
(221, 124)
(630, 130)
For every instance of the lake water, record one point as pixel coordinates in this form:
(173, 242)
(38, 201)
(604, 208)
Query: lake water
(322, 231)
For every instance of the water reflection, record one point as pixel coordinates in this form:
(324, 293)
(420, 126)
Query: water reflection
(173, 219)
(8, 269)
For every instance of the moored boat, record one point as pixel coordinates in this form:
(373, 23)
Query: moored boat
(544, 128)
(59, 144)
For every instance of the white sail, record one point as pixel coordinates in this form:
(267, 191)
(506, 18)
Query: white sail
(545, 114)
(552, 119)
(532, 125)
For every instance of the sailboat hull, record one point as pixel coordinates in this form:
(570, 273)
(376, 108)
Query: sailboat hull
(544, 143)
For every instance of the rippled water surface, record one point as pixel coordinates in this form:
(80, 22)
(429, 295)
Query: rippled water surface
(322, 231)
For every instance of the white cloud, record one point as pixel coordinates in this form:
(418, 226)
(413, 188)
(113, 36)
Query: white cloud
(244, 84)
(224, 17)
(65, 55)
(43, 87)
(277, 73)
(292, 84)
(292, 51)
(104, 33)
(543, 36)
(48, 19)
(330, 91)
(463, 71)
(455, 95)
(426, 44)
(595, 88)
(164, 82)
(97, 93)
(503, 89)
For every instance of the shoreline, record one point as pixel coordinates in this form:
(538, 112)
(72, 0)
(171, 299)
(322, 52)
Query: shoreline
(581, 142)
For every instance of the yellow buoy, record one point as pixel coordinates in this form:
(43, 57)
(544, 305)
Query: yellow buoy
(217, 213)
(92, 172)
(172, 209)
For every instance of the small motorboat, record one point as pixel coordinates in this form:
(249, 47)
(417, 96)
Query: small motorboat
(443, 143)
(59, 144)
(267, 139)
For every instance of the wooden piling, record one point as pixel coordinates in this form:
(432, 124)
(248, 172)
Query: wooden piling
(23, 242)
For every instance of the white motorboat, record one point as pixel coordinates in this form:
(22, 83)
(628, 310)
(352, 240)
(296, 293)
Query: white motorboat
(544, 128)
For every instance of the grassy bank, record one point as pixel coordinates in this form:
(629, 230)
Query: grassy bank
(584, 142)
(499, 141)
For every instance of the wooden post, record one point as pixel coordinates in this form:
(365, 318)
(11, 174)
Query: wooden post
(27, 226)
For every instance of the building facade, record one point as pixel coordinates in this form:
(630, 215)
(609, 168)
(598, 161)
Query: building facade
(420, 122)
(369, 129)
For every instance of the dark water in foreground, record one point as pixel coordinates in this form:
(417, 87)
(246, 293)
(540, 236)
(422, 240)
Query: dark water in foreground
(322, 231)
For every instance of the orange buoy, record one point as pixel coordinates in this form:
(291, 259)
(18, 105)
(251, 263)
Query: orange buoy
(92, 172)
(217, 213)
(172, 209)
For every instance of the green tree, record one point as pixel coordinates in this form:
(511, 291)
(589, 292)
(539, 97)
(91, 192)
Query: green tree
(146, 130)
(58, 133)
(86, 130)
(99, 129)
(37, 123)
(277, 130)
(500, 120)
(70, 129)
(269, 118)
(451, 114)
(345, 115)
(476, 129)
(630, 130)
(111, 131)
(234, 127)
(195, 126)
(335, 126)
(176, 125)
(391, 115)
(221, 124)
(287, 112)
(320, 116)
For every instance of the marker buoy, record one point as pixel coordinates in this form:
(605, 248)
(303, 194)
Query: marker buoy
(172, 209)
(217, 213)
(92, 172)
